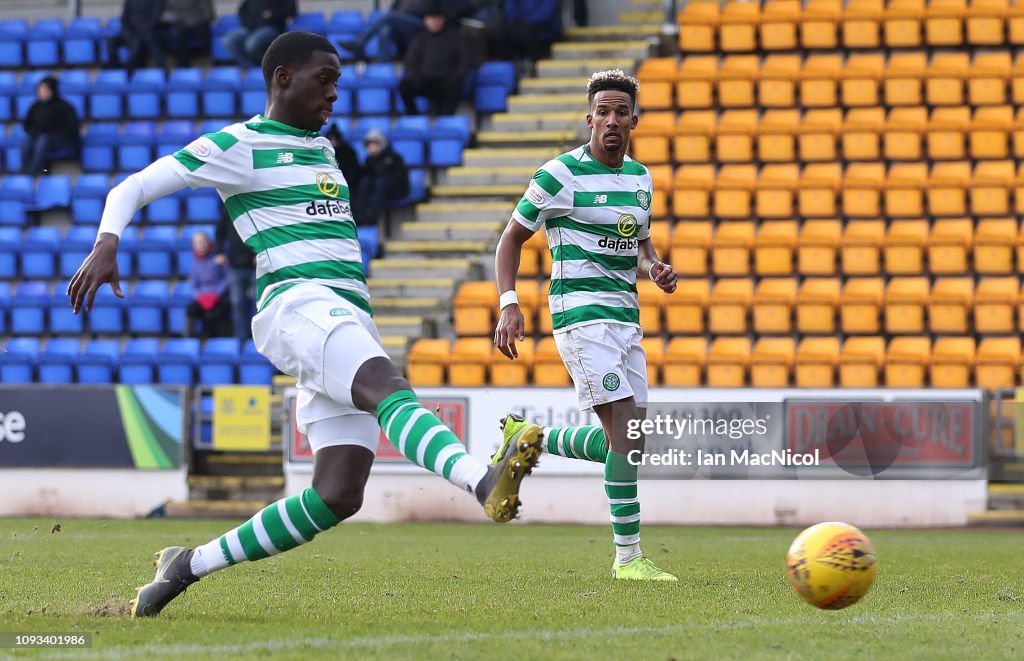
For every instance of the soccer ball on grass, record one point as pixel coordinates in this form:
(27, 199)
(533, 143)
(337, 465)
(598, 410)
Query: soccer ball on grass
(831, 565)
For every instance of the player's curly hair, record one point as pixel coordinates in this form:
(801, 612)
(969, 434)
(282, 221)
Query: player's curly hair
(612, 79)
(293, 49)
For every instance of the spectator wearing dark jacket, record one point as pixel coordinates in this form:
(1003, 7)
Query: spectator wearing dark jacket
(240, 261)
(398, 27)
(385, 179)
(348, 160)
(209, 282)
(435, 66)
(529, 28)
(262, 22)
(140, 34)
(52, 127)
(187, 22)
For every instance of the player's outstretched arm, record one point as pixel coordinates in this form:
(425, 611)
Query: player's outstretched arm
(650, 266)
(158, 180)
(511, 324)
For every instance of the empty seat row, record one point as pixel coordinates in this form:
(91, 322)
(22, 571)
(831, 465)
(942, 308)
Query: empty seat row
(740, 26)
(177, 361)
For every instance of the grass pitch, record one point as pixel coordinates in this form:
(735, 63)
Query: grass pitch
(501, 592)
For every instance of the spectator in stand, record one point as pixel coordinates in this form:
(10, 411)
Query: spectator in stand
(385, 179)
(396, 28)
(240, 261)
(209, 281)
(141, 34)
(529, 27)
(52, 127)
(187, 22)
(348, 160)
(262, 21)
(436, 65)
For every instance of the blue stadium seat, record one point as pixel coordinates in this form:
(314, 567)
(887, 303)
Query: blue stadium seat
(75, 247)
(310, 22)
(449, 136)
(41, 44)
(226, 23)
(183, 92)
(346, 21)
(80, 40)
(338, 37)
(167, 209)
(98, 144)
(417, 189)
(109, 88)
(53, 191)
(5, 303)
(8, 88)
(135, 150)
(375, 93)
(203, 205)
(220, 91)
(138, 358)
(409, 137)
(174, 135)
(218, 361)
(126, 249)
(146, 311)
(146, 90)
(348, 78)
(39, 250)
(452, 126)
(369, 245)
(17, 195)
(107, 314)
(10, 247)
(28, 307)
(253, 368)
(27, 91)
(12, 143)
(13, 33)
(253, 100)
(74, 87)
(364, 125)
(63, 320)
(98, 361)
(181, 296)
(177, 361)
(58, 359)
(495, 81)
(18, 360)
(87, 198)
(156, 251)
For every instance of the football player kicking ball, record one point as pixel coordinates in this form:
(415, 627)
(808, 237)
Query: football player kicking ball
(288, 200)
(594, 202)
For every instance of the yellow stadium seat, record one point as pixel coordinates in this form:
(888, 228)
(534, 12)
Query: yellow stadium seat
(657, 76)
(904, 190)
(427, 360)
(860, 362)
(905, 243)
(689, 251)
(860, 24)
(773, 306)
(902, 23)
(513, 373)
(738, 30)
(695, 81)
(548, 368)
(684, 310)
(728, 362)
(529, 302)
(776, 191)
(779, 76)
(772, 362)
(947, 130)
(819, 24)
(991, 184)
(906, 362)
(817, 245)
(1017, 137)
(861, 132)
(661, 237)
(819, 79)
(693, 135)
(691, 195)
(659, 201)
(471, 358)
(816, 304)
(947, 188)
(1018, 197)
(819, 188)
(1020, 311)
(817, 135)
(862, 184)
(860, 79)
(544, 323)
(737, 80)
(730, 248)
(661, 175)
(1015, 24)
(734, 188)
(698, 24)
(685, 358)
(994, 241)
(904, 73)
(997, 363)
(652, 301)
(988, 79)
(530, 258)
(944, 79)
(986, 21)
(773, 251)
(734, 139)
(949, 246)
(950, 304)
(905, 300)
(995, 304)
(729, 306)
(776, 136)
(991, 128)
(952, 362)
(473, 309)
(943, 25)
(778, 24)
(902, 137)
(862, 246)
(654, 350)
(816, 359)
(651, 140)
(860, 306)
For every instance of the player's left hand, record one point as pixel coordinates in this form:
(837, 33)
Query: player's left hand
(99, 268)
(664, 276)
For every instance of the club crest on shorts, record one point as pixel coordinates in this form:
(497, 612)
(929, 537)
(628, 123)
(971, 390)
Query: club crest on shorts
(627, 225)
(327, 185)
(341, 312)
(643, 198)
(610, 381)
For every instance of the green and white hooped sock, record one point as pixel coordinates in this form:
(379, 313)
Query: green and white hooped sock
(620, 487)
(576, 442)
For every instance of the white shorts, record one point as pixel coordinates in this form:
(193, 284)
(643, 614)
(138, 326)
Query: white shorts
(314, 335)
(606, 362)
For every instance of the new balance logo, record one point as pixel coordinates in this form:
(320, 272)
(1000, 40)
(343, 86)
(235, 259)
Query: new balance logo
(600, 199)
(285, 157)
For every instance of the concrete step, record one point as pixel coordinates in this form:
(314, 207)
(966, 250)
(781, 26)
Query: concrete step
(234, 487)
(396, 346)
(461, 212)
(553, 85)
(214, 509)
(574, 102)
(997, 519)
(491, 192)
(491, 156)
(411, 305)
(563, 68)
(408, 268)
(638, 26)
(638, 18)
(562, 121)
(501, 139)
(1006, 497)
(482, 230)
(404, 325)
(415, 288)
(589, 50)
(474, 176)
(447, 248)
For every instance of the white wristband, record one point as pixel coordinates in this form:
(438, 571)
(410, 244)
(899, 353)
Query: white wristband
(507, 299)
